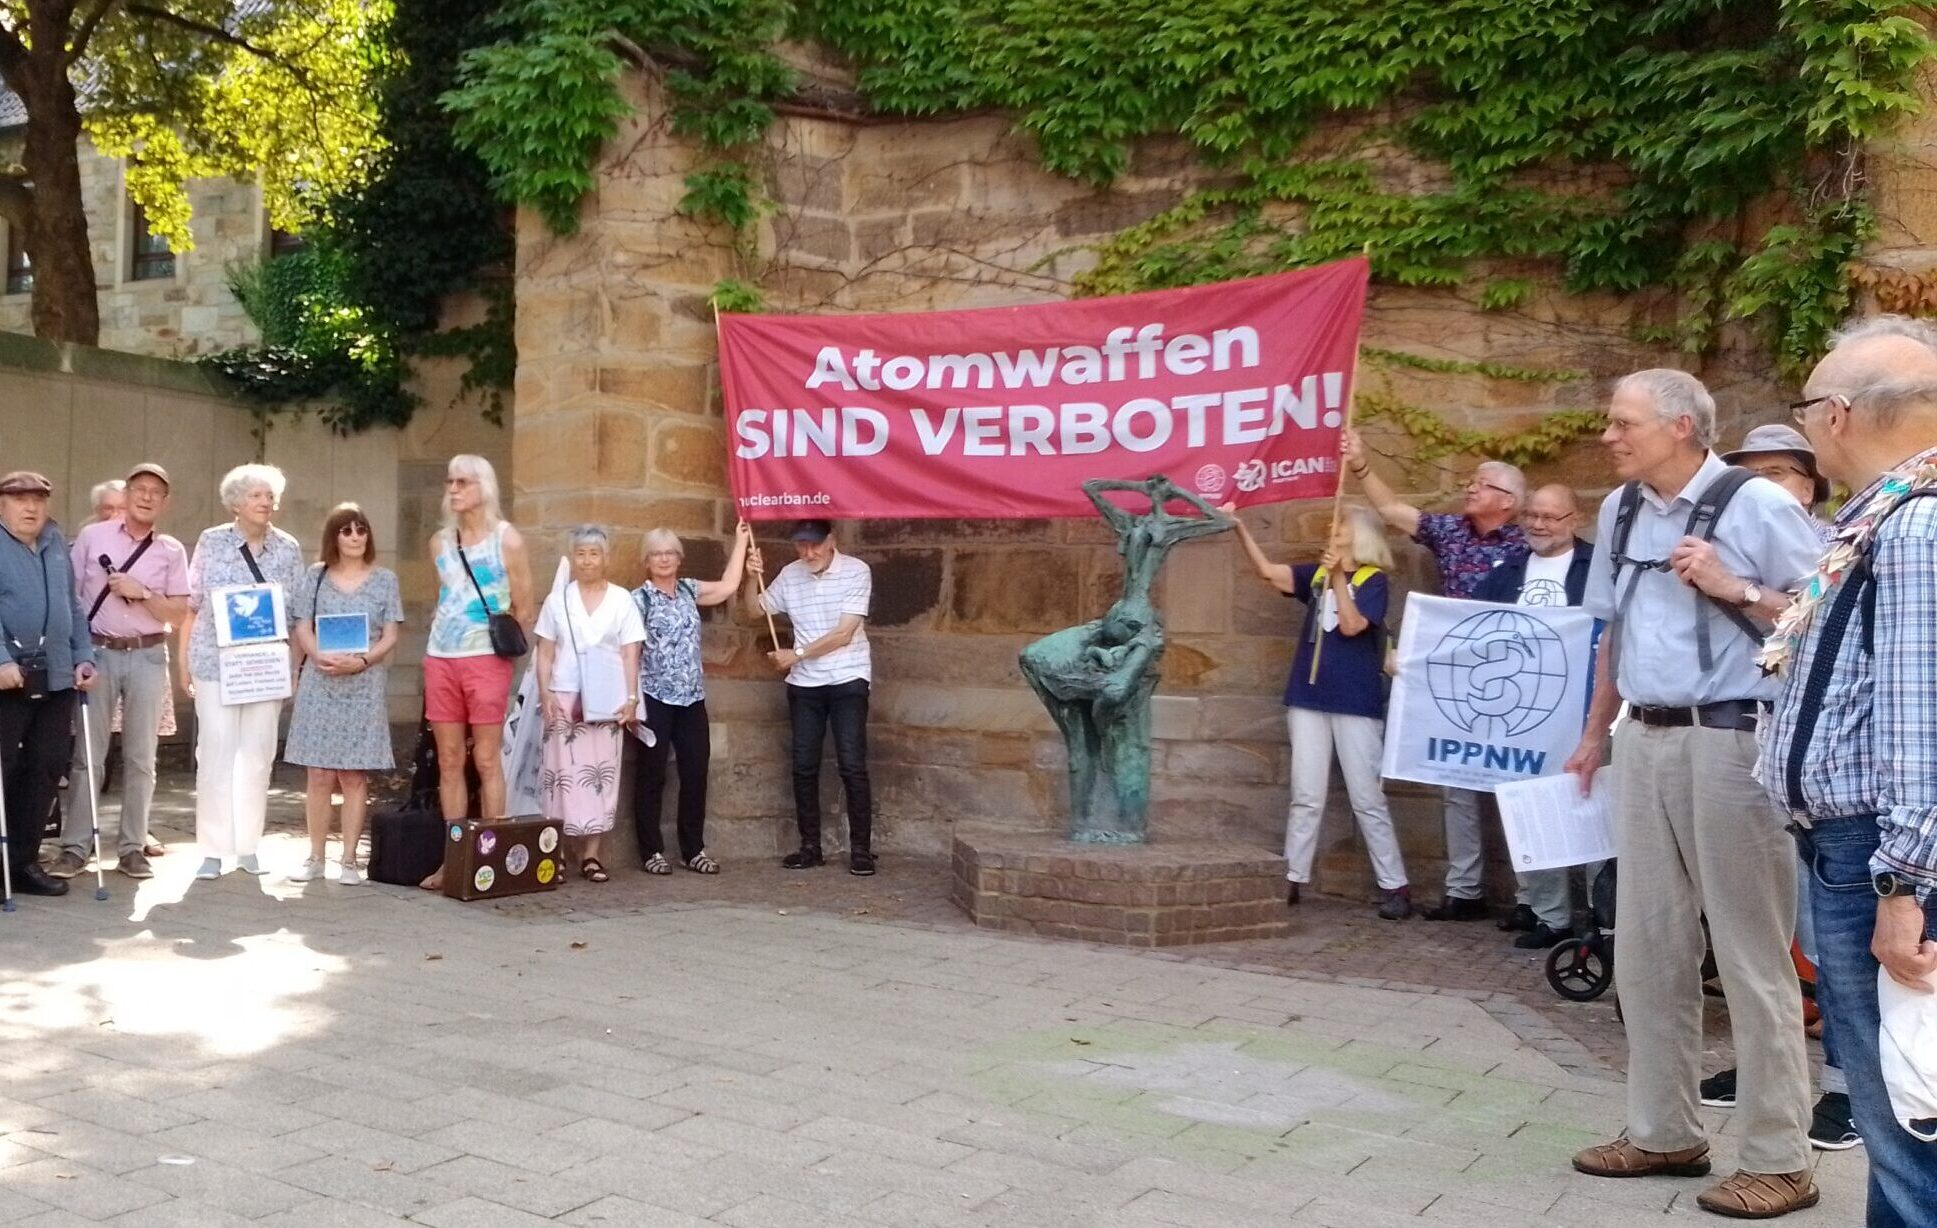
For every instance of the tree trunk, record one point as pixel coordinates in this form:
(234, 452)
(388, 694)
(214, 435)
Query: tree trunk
(65, 308)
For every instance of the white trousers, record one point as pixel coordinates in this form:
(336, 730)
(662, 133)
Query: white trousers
(1359, 742)
(235, 747)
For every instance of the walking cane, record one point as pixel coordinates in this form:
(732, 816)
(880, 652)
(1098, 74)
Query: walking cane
(6, 858)
(94, 802)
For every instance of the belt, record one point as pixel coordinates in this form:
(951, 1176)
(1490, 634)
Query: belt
(1737, 714)
(129, 643)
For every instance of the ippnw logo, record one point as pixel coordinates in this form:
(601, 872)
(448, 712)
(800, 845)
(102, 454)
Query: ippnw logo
(1211, 479)
(1250, 476)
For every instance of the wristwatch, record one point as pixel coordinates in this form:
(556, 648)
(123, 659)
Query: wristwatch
(1889, 884)
(1750, 595)
(799, 653)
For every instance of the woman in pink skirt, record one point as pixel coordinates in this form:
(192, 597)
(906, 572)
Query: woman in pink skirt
(589, 635)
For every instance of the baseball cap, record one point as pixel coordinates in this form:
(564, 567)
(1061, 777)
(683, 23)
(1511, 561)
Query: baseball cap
(25, 482)
(812, 530)
(1776, 438)
(152, 470)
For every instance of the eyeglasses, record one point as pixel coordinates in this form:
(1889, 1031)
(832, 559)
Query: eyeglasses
(662, 554)
(1799, 410)
(1486, 485)
(1776, 473)
(1546, 517)
(353, 529)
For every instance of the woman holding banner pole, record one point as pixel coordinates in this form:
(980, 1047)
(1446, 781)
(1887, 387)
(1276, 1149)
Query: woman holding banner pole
(1341, 705)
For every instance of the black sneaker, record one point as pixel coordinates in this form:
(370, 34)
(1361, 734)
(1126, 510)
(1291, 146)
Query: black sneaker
(1395, 904)
(1291, 895)
(1520, 921)
(1452, 908)
(804, 858)
(860, 863)
(1830, 1128)
(1718, 1090)
(1542, 936)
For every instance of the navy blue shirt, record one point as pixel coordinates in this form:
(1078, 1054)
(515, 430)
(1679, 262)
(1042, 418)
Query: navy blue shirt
(1351, 670)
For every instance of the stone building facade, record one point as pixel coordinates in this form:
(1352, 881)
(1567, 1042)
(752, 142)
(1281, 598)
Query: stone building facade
(619, 421)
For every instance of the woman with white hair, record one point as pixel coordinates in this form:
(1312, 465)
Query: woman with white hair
(235, 745)
(674, 686)
(482, 571)
(589, 634)
(1342, 709)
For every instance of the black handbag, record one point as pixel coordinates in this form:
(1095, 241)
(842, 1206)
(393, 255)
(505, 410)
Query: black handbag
(407, 843)
(507, 637)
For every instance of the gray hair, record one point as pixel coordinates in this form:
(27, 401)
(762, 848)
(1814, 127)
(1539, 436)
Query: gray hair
(102, 490)
(1508, 476)
(1872, 327)
(589, 535)
(239, 481)
(1676, 394)
(663, 538)
(465, 465)
(1886, 402)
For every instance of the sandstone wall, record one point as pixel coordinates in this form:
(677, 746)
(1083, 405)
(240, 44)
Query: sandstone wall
(619, 421)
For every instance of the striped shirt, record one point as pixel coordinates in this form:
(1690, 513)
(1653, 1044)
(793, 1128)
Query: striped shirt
(815, 604)
(1874, 749)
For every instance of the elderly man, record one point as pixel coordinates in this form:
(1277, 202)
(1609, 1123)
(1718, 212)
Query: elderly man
(133, 585)
(1552, 572)
(1781, 454)
(826, 595)
(44, 658)
(1696, 559)
(1466, 546)
(1852, 754)
(108, 499)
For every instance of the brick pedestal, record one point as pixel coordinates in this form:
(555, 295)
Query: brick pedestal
(1175, 893)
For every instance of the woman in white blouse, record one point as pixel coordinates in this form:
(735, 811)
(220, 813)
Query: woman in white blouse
(587, 661)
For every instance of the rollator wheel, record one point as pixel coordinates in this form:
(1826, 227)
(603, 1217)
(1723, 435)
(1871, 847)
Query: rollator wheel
(1579, 970)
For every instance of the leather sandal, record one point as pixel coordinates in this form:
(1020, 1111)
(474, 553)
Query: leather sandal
(1747, 1195)
(1621, 1158)
(592, 871)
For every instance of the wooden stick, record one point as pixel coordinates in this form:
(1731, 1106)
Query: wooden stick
(759, 576)
(1338, 508)
(760, 581)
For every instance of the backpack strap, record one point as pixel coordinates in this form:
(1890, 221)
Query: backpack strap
(1617, 556)
(1869, 593)
(1836, 622)
(1706, 514)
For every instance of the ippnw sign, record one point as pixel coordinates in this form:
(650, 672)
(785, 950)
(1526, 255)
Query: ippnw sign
(1237, 390)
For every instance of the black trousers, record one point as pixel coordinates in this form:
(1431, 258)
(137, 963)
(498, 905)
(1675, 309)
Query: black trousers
(36, 744)
(679, 730)
(812, 709)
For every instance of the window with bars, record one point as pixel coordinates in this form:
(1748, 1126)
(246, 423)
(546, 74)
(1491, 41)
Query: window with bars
(152, 258)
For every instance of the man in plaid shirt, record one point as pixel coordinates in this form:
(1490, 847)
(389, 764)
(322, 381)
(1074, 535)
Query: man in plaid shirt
(1852, 753)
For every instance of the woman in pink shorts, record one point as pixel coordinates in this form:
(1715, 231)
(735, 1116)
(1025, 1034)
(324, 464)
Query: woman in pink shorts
(482, 569)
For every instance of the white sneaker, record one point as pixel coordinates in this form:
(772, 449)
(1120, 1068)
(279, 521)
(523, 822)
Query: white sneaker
(311, 871)
(249, 864)
(211, 868)
(348, 875)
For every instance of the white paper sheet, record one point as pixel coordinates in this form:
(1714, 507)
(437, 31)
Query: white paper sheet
(1549, 824)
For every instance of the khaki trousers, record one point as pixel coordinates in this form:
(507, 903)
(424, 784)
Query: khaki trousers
(1696, 837)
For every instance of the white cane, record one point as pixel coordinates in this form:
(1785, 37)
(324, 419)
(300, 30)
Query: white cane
(6, 858)
(93, 802)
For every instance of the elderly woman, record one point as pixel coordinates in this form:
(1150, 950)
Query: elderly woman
(235, 744)
(340, 730)
(482, 570)
(589, 634)
(674, 687)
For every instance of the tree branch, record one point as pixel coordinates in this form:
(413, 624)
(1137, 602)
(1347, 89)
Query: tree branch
(77, 45)
(13, 60)
(217, 33)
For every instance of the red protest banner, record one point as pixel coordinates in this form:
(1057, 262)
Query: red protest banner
(1236, 390)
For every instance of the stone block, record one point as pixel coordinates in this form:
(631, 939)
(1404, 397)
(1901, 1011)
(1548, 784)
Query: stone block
(689, 454)
(1108, 211)
(681, 387)
(907, 585)
(620, 447)
(1012, 590)
(910, 180)
(818, 235)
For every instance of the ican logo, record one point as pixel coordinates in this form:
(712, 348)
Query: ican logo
(1496, 675)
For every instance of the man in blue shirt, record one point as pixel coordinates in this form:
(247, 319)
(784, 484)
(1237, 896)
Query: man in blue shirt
(45, 656)
(1852, 754)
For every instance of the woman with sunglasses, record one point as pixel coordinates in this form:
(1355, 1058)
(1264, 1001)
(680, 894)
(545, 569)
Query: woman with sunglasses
(341, 730)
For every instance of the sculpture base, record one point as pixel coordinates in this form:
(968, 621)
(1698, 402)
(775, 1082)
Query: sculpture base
(1163, 895)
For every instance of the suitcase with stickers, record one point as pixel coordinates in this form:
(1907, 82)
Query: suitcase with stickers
(485, 861)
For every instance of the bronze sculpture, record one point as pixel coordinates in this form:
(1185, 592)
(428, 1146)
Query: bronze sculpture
(1096, 679)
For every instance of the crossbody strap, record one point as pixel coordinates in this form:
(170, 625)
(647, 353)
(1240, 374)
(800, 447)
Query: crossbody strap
(1835, 624)
(101, 598)
(466, 563)
(250, 559)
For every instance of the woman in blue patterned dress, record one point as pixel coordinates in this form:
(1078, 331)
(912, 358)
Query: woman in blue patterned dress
(341, 727)
(675, 690)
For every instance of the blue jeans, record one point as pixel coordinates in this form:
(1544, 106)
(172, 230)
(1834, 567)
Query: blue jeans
(1836, 856)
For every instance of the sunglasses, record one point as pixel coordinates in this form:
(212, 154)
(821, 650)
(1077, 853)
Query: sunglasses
(1799, 410)
(353, 529)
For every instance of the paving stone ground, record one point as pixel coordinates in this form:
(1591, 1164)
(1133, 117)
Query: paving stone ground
(765, 1049)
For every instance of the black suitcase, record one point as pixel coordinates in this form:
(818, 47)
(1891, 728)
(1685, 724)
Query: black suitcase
(406, 846)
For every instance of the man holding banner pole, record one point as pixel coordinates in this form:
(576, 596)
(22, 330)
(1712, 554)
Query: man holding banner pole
(1466, 546)
(1694, 564)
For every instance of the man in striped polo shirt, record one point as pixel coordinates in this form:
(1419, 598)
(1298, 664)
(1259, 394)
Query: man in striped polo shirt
(825, 594)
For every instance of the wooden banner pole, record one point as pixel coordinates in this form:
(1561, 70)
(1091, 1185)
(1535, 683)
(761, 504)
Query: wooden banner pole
(1338, 508)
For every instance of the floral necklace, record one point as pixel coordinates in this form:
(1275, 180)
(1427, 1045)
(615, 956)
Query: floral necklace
(1850, 544)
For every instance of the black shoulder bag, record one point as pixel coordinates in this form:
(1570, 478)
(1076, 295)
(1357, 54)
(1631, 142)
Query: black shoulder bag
(507, 637)
(101, 598)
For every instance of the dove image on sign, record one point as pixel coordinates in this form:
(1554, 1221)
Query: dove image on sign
(1498, 674)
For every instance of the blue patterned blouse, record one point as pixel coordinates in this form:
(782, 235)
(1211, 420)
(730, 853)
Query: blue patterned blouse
(669, 668)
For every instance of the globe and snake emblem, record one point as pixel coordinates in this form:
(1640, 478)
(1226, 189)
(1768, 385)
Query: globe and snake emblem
(1498, 674)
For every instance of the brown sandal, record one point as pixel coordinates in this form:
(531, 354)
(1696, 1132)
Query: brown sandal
(1621, 1158)
(1747, 1195)
(590, 870)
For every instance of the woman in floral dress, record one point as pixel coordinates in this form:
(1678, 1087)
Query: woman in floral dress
(588, 665)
